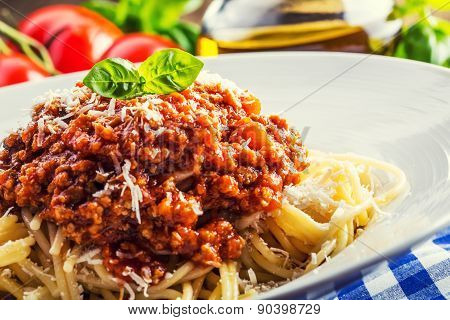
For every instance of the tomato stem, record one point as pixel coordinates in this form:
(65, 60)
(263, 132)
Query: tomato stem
(32, 48)
(4, 47)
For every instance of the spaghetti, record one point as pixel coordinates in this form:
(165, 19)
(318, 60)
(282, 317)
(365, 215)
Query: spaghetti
(307, 211)
(339, 196)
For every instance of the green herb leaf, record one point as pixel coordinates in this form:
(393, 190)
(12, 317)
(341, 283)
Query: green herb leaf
(164, 72)
(115, 78)
(128, 14)
(447, 63)
(419, 41)
(152, 16)
(103, 7)
(169, 70)
(159, 15)
(185, 34)
(427, 41)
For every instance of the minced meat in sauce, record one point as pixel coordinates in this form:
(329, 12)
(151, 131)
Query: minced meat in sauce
(151, 177)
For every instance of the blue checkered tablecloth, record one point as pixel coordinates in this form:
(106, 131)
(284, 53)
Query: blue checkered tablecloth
(423, 273)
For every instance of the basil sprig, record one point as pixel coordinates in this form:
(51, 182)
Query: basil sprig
(165, 71)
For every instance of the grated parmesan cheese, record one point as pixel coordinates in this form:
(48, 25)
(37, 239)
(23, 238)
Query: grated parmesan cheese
(207, 78)
(150, 114)
(246, 143)
(159, 131)
(310, 193)
(7, 211)
(93, 98)
(136, 193)
(60, 123)
(112, 107)
(105, 191)
(95, 113)
(85, 108)
(129, 290)
(41, 133)
(51, 129)
(115, 162)
(196, 207)
(67, 116)
(87, 257)
(252, 276)
(142, 284)
(313, 258)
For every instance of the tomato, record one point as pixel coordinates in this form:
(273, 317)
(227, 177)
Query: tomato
(11, 45)
(17, 67)
(69, 58)
(75, 36)
(137, 47)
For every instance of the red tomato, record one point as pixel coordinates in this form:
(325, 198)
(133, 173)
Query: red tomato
(72, 32)
(12, 45)
(70, 51)
(137, 47)
(17, 68)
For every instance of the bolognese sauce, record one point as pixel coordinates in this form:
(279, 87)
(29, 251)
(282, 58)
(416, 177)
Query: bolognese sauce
(151, 177)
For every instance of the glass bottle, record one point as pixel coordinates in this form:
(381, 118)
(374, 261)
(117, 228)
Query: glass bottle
(269, 25)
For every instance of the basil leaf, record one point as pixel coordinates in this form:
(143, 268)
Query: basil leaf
(164, 72)
(169, 70)
(115, 78)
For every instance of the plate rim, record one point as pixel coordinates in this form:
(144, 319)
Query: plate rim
(274, 54)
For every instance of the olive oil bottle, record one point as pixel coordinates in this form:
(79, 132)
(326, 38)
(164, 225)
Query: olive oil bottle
(269, 25)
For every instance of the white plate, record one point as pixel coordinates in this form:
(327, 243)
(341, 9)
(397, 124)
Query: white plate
(389, 109)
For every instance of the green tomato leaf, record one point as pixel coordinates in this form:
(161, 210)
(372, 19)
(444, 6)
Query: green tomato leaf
(128, 8)
(400, 51)
(185, 34)
(114, 78)
(169, 70)
(159, 15)
(103, 7)
(447, 63)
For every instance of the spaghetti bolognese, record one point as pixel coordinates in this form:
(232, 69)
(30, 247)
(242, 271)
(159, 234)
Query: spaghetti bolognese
(189, 195)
